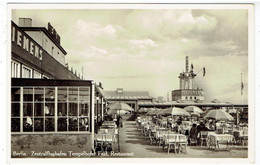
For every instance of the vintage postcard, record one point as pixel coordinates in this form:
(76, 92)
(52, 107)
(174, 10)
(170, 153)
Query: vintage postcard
(109, 81)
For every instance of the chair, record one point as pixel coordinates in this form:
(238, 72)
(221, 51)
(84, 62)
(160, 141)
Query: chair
(99, 141)
(203, 136)
(171, 142)
(208, 141)
(146, 130)
(244, 137)
(152, 137)
(183, 143)
(237, 136)
(160, 135)
(108, 140)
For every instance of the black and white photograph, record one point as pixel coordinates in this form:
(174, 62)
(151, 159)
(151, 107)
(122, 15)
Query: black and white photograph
(131, 81)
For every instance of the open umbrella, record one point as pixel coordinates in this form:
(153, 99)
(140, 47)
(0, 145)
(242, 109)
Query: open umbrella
(143, 110)
(216, 101)
(152, 111)
(121, 106)
(232, 111)
(118, 112)
(174, 111)
(193, 109)
(218, 115)
(116, 108)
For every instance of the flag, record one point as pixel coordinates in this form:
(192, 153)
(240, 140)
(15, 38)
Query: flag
(242, 87)
(204, 71)
(191, 66)
(242, 84)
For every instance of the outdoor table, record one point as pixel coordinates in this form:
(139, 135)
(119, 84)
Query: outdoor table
(108, 126)
(108, 131)
(215, 139)
(103, 137)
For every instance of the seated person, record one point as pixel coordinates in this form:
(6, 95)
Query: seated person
(193, 131)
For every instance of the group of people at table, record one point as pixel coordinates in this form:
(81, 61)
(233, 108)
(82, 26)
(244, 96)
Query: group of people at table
(178, 133)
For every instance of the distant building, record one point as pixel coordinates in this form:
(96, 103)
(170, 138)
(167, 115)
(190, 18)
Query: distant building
(187, 91)
(159, 99)
(132, 98)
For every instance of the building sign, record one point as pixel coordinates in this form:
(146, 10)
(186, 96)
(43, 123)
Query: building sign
(54, 33)
(25, 42)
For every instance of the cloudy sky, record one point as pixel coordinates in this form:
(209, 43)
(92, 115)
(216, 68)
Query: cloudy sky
(146, 49)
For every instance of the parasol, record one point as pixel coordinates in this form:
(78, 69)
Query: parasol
(174, 111)
(218, 115)
(193, 109)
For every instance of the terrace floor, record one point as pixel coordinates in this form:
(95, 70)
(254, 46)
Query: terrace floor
(134, 143)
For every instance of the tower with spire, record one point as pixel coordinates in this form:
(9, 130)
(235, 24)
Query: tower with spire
(187, 90)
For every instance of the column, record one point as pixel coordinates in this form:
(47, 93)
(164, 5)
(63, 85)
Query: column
(180, 83)
(102, 109)
(92, 114)
(56, 110)
(21, 109)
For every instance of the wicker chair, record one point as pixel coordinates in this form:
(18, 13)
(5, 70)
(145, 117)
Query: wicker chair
(183, 144)
(171, 141)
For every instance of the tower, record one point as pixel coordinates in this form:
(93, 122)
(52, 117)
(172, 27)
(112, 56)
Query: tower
(187, 90)
(187, 77)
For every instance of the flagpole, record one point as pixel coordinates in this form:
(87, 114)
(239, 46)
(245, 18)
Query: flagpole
(242, 87)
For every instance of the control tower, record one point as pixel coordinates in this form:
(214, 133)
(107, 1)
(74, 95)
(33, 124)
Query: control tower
(187, 90)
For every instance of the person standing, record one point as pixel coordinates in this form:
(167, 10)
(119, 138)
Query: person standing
(119, 121)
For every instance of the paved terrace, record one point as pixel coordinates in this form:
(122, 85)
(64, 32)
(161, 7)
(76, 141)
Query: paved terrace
(131, 140)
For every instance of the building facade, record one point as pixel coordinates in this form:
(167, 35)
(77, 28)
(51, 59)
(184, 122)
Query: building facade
(187, 91)
(52, 109)
(31, 55)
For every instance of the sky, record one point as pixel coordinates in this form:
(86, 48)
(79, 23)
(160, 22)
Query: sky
(145, 49)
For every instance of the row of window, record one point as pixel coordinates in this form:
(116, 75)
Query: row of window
(27, 72)
(53, 50)
(48, 109)
(39, 94)
(187, 98)
(48, 124)
(44, 109)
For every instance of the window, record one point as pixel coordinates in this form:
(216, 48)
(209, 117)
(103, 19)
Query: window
(45, 77)
(33, 109)
(15, 112)
(62, 59)
(15, 69)
(26, 72)
(36, 74)
(45, 44)
(52, 51)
